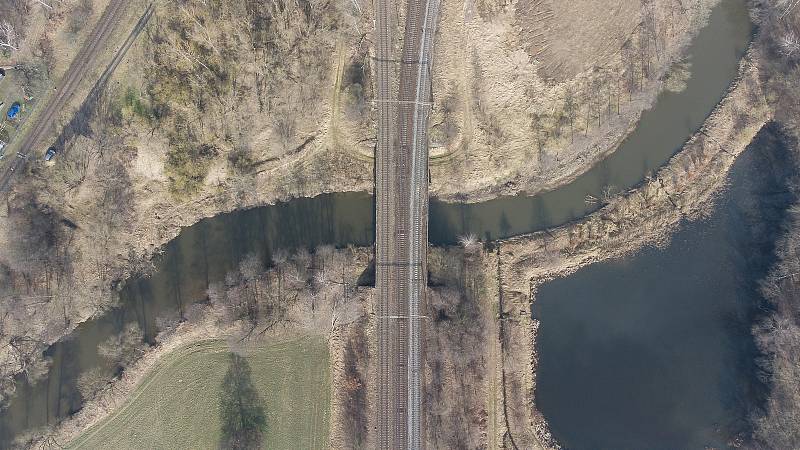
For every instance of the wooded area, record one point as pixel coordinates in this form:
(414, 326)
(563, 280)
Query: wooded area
(778, 334)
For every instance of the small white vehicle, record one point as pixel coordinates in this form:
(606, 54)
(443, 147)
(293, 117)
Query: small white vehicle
(51, 152)
(2, 149)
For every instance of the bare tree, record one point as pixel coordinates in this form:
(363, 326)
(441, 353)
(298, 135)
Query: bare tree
(595, 96)
(536, 128)
(324, 252)
(37, 249)
(91, 383)
(302, 261)
(123, 348)
(570, 110)
(8, 36)
(789, 44)
(79, 15)
(251, 267)
(285, 127)
(786, 6)
(629, 58)
(644, 54)
(469, 241)
(608, 193)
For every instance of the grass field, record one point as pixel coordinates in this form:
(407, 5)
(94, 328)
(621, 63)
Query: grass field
(177, 406)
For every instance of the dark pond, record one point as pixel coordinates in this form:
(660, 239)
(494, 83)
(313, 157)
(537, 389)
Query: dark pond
(654, 351)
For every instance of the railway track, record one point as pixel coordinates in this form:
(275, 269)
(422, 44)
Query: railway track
(384, 252)
(72, 79)
(402, 219)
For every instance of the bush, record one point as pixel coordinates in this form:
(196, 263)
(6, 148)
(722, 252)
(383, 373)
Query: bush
(187, 166)
(135, 105)
(80, 15)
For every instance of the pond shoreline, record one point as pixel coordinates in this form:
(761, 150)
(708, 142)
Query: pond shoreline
(646, 216)
(659, 342)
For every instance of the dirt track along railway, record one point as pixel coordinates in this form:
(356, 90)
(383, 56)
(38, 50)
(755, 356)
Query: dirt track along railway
(402, 218)
(81, 64)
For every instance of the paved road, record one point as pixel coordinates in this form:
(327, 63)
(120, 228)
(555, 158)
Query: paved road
(402, 219)
(94, 45)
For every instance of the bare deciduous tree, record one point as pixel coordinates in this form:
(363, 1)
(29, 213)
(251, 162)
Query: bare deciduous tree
(536, 128)
(789, 44)
(570, 110)
(8, 35)
(469, 242)
(123, 348)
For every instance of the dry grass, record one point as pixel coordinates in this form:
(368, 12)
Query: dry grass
(570, 37)
(527, 94)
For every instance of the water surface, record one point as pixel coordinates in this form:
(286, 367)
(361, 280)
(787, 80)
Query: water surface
(654, 351)
(204, 252)
(713, 56)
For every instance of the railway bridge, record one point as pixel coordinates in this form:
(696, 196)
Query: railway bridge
(403, 98)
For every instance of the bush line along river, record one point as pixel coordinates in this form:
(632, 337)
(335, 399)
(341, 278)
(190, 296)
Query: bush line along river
(204, 252)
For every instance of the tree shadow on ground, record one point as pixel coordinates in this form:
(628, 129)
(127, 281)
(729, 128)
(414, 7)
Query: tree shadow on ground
(244, 420)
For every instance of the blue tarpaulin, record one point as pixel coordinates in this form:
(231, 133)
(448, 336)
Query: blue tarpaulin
(13, 111)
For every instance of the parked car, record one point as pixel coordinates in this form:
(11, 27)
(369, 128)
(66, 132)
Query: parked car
(2, 149)
(13, 111)
(51, 152)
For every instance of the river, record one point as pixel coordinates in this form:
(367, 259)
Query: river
(713, 58)
(205, 251)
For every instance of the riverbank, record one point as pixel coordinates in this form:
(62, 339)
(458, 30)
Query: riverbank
(319, 299)
(532, 94)
(103, 256)
(678, 190)
(473, 371)
(682, 190)
(125, 189)
(646, 214)
(777, 335)
(776, 426)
